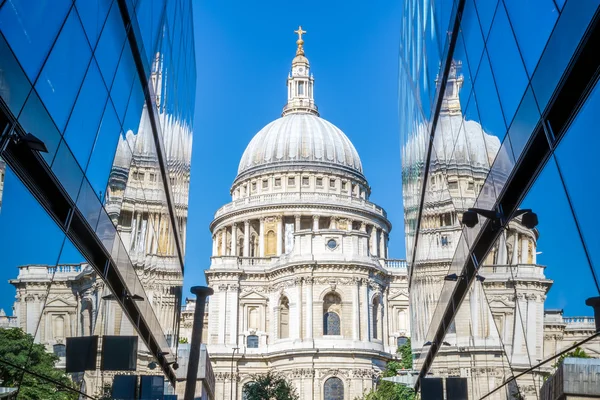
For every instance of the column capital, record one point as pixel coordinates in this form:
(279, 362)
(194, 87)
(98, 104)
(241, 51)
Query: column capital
(309, 280)
(234, 224)
(316, 216)
(297, 216)
(246, 222)
(363, 226)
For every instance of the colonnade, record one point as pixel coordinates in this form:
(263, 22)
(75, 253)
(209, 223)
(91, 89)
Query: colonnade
(225, 239)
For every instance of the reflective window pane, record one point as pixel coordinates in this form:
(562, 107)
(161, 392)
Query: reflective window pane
(577, 156)
(36, 120)
(103, 151)
(509, 73)
(525, 120)
(532, 33)
(14, 85)
(485, 12)
(85, 118)
(488, 104)
(93, 15)
(110, 44)
(30, 28)
(121, 88)
(67, 170)
(63, 74)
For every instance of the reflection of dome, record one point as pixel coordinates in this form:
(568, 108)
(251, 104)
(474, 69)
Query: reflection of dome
(465, 142)
(300, 138)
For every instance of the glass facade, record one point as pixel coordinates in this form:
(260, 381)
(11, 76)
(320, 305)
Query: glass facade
(496, 102)
(96, 117)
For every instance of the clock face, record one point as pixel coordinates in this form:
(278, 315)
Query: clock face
(301, 69)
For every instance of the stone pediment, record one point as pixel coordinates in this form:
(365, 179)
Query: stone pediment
(400, 295)
(253, 296)
(59, 303)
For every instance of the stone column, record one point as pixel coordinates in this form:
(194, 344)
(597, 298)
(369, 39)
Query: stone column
(234, 240)
(234, 311)
(222, 308)
(515, 254)
(261, 238)
(372, 241)
(385, 315)
(520, 310)
(246, 238)
(364, 314)
(382, 244)
(524, 249)
(356, 310)
(309, 308)
(279, 236)
(298, 220)
(502, 258)
(531, 328)
(214, 248)
(298, 311)
(349, 224)
(224, 241)
(315, 223)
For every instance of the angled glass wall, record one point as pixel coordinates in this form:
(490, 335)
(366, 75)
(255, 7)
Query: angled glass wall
(96, 117)
(495, 110)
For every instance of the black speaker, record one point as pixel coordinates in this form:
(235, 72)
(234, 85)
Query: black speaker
(124, 387)
(152, 387)
(457, 388)
(81, 353)
(432, 389)
(119, 353)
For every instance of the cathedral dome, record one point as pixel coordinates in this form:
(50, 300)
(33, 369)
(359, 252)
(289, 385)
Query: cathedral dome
(300, 138)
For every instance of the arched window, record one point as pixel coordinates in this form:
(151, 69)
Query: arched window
(59, 327)
(402, 340)
(60, 350)
(332, 309)
(333, 389)
(252, 341)
(240, 246)
(253, 246)
(253, 318)
(331, 323)
(271, 247)
(284, 318)
(377, 320)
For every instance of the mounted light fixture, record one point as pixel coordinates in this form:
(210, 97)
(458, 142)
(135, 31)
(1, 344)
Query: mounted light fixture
(470, 218)
(454, 277)
(31, 141)
(430, 343)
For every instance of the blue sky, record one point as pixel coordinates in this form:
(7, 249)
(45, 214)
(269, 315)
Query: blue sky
(244, 52)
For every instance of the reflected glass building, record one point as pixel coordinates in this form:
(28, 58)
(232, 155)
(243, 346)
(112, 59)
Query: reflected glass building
(96, 117)
(497, 103)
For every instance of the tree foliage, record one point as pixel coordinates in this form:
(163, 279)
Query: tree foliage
(577, 353)
(392, 391)
(18, 348)
(269, 386)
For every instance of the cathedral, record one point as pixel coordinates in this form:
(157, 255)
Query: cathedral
(302, 281)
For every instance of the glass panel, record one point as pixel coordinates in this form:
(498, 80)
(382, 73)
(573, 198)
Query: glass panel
(32, 30)
(485, 12)
(106, 145)
(35, 119)
(333, 389)
(124, 77)
(67, 170)
(93, 14)
(532, 33)
(488, 104)
(509, 73)
(565, 38)
(471, 32)
(576, 157)
(85, 118)
(62, 75)
(522, 126)
(110, 44)
(14, 85)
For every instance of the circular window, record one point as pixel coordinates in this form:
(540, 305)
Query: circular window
(332, 244)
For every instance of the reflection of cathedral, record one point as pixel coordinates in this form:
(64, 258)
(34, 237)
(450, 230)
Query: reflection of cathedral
(501, 323)
(300, 270)
(70, 300)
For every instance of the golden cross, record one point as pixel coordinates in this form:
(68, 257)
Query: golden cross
(300, 32)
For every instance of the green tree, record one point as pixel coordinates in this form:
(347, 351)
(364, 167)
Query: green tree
(270, 386)
(18, 348)
(577, 353)
(392, 391)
